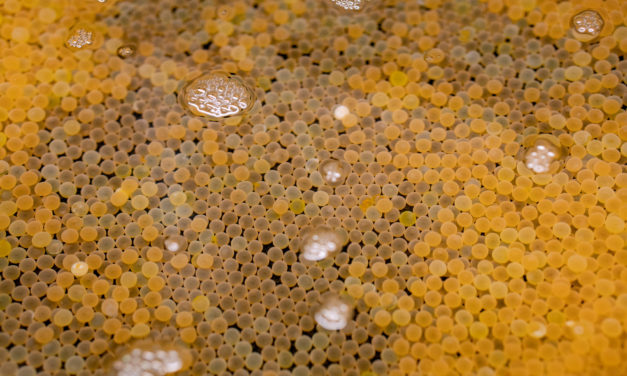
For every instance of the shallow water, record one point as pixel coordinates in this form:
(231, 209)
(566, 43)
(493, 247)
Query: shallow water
(468, 157)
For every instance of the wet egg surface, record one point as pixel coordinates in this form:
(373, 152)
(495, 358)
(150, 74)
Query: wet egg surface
(184, 184)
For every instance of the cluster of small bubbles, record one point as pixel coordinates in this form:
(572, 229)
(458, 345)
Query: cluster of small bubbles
(587, 25)
(350, 5)
(217, 95)
(80, 36)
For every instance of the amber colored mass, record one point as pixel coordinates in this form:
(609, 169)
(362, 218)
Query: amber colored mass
(457, 258)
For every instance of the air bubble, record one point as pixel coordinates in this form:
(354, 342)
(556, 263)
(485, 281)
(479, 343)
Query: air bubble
(126, 51)
(146, 358)
(217, 95)
(334, 313)
(320, 243)
(587, 25)
(540, 157)
(333, 172)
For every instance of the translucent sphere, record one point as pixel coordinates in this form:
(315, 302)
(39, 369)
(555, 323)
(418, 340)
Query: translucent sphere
(333, 314)
(340, 112)
(541, 156)
(217, 95)
(587, 25)
(79, 268)
(148, 359)
(576, 328)
(538, 330)
(333, 172)
(320, 243)
(175, 243)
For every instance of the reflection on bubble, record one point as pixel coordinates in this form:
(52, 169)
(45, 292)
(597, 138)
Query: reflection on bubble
(333, 314)
(333, 172)
(541, 156)
(126, 51)
(217, 95)
(587, 25)
(320, 243)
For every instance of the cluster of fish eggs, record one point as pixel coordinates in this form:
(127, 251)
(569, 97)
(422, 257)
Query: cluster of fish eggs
(238, 178)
